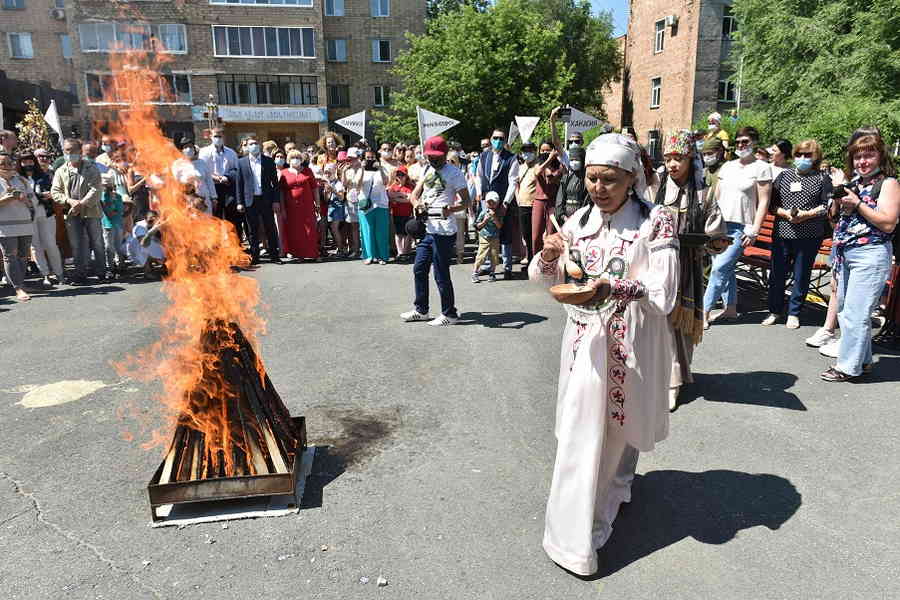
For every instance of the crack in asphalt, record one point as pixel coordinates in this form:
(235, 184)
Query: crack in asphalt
(71, 536)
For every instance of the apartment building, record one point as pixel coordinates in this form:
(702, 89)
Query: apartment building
(675, 71)
(279, 69)
(35, 58)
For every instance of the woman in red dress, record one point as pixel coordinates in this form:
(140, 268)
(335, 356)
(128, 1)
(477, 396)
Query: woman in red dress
(300, 190)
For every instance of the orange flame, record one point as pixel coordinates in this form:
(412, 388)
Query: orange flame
(203, 290)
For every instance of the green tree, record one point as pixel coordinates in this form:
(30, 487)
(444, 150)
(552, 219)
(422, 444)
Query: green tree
(436, 8)
(821, 68)
(517, 57)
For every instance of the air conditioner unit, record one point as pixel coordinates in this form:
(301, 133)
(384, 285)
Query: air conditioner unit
(672, 20)
(58, 13)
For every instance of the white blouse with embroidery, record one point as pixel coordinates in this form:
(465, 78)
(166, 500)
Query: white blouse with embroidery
(620, 353)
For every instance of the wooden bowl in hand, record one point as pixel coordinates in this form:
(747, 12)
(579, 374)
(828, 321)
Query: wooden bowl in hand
(572, 293)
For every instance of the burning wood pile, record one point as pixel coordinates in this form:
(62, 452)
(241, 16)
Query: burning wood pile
(234, 438)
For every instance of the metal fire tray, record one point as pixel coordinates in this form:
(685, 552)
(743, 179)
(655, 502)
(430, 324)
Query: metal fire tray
(229, 488)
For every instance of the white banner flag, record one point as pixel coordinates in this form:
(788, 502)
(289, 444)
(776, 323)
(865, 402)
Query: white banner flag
(431, 124)
(52, 118)
(526, 127)
(580, 122)
(355, 123)
(513, 133)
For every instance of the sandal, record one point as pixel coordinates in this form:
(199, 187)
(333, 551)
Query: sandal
(834, 375)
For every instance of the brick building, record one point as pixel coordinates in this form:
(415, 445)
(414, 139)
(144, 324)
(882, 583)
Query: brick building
(35, 58)
(675, 71)
(280, 69)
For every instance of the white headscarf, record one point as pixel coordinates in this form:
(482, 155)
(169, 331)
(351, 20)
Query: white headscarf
(621, 151)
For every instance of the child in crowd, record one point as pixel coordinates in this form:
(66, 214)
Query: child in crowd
(145, 244)
(113, 211)
(488, 226)
(333, 190)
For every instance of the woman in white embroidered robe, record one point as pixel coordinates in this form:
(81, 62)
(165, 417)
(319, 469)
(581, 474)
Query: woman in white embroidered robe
(617, 351)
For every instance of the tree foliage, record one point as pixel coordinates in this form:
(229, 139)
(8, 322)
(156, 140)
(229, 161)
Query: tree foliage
(483, 67)
(821, 69)
(436, 8)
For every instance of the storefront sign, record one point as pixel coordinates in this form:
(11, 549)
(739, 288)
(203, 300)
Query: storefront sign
(267, 114)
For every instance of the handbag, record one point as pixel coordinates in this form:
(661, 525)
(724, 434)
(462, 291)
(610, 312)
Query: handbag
(363, 200)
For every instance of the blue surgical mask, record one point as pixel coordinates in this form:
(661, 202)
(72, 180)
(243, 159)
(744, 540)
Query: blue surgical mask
(106, 148)
(73, 158)
(803, 164)
(497, 144)
(279, 162)
(253, 148)
(528, 156)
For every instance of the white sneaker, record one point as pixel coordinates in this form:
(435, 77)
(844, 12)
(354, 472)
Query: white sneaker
(443, 321)
(831, 349)
(793, 322)
(673, 397)
(770, 320)
(821, 337)
(413, 315)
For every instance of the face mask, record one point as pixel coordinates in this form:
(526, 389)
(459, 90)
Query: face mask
(542, 158)
(253, 148)
(296, 162)
(871, 173)
(28, 167)
(497, 144)
(699, 146)
(106, 148)
(385, 154)
(188, 152)
(218, 142)
(528, 156)
(370, 164)
(710, 160)
(279, 162)
(744, 152)
(574, 144)
(576, 165)
(73, 158)
(87, 159)
(803, 164)
(712, 127)
(436, 163)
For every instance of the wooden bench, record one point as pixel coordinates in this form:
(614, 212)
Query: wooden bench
(758, 260)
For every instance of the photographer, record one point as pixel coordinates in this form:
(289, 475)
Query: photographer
(16, 224)
(436, 195)
(866, 213)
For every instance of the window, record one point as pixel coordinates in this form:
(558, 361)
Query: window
(654, 147)
(659, 39)
(381, 51)
(382, 95)
(13, 4)
(338, 95)
(260, 42)
(20, 45)
(381, 8)
(655, 91)
(173, 88)
(65, 43)
(729, 23)
(306, 3)
(59, 3)
(267, 89)
(334, 8)
(110, 37)
(726, 90)
(336, 50)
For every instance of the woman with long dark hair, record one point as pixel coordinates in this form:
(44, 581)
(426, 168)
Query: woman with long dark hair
(43, 240)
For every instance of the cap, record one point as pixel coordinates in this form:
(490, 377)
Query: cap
(492, 196)
(713, 145)
(353, 152)
(435, 146)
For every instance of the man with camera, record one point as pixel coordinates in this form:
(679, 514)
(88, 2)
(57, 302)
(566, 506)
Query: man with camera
(575, 139)
(435, 200)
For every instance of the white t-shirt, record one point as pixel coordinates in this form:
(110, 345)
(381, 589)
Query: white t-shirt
(373, 185)
(737, 189)
(440, 190)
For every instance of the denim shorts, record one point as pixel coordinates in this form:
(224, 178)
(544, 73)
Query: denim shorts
(336, 212)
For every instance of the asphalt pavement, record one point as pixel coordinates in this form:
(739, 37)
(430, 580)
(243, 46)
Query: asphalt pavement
(435, 450)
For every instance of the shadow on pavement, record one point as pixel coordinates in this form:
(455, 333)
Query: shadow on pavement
(756, 388)
(327, 467)
(886, 369)
(509, 320)
(711, 507)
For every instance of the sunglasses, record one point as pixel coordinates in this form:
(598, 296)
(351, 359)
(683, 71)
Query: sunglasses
(803, 154)
(743, 142)
(498, 137)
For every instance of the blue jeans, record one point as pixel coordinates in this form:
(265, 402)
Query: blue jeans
(435, 250)
(860, 283)
(722, 280)
(86, 235)
(799, 257)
